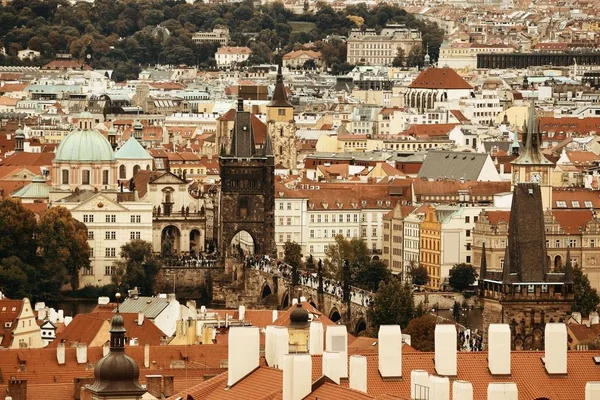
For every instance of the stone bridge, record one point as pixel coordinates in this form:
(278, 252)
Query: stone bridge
(273, 290)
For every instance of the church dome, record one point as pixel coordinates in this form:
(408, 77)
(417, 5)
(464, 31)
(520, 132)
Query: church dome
(84, 145)
(299, 317)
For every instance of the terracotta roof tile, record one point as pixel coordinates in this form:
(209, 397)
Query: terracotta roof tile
(439, 78)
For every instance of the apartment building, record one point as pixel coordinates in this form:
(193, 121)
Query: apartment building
(368, 47)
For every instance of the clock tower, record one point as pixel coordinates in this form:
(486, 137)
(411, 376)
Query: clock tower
(281, 126)
(531, 166)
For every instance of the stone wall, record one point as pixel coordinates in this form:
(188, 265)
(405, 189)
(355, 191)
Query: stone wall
(443, 300)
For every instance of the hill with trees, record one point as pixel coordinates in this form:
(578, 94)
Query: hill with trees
(123, 35)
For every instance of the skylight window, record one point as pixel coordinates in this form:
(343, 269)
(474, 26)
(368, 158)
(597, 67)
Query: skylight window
(588, 204)
(575, 204)
(561, 204)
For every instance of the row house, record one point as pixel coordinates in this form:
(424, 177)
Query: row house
(315, 215)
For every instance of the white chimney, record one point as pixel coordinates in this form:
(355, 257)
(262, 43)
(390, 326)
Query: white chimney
(337, 340)
(358, 373)
(68, 320)
(297, 376)
(390, 351)
(594, 318)
(302, 299)
(555, 359)
(439, 388)
(462, 390)
(61, 316)
(105, 349)
(140, 318)
(53, 316)
(60, 353)
(577, 317)
(241, 313)
(103, 300)
(38, 305)
(81, 353)
(146, 355)
(315, 338)
(592, 391)
(243, 352)
(331, 364)
(445, 349)
(282, 346)
(419, 384)
(203, 309)
(499, 349)
(502, 391)
(270, 335)
(42, 314)
(274, 316)
(294, 301)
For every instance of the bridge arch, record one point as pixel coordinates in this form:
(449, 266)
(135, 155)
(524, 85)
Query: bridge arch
(360, 326)
(313, 303)
(285, 300)
(335, 315)
(265, 291)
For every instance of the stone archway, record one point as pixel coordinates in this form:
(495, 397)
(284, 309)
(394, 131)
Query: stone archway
(335, 315)
(170, 240)
(360, 326)
(242, 245)
(266, 291)
(558, 263)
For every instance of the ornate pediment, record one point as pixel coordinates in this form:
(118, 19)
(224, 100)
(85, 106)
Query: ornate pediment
(168, 178)
(99, 202)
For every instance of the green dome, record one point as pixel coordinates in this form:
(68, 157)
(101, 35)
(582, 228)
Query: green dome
(84, 146)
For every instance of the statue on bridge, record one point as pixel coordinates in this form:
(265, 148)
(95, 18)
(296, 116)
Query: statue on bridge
(320, 275)
(167, 248)
(346, 278)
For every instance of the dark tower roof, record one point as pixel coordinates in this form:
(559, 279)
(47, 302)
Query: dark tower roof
(531, 154)
(242, 136)
(117, 374)
(483, 269)
(279, 98)
(526, 251)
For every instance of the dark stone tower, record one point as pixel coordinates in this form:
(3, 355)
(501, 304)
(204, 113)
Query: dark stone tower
(247, 189)
(524, 294)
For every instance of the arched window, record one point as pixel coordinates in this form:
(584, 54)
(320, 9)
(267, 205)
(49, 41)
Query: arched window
(122, 172)
(65, 176)
(136, 168)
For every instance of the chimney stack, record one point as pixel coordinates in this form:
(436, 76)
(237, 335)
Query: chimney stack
(60, 353)
(270, 335)
(240, 104)
(594, 318)
(241, 313)
(106, 348)
(592, 390)
(462, 390)
(140, 318)
(154, 385)
(315, 338)
(358, 373)
(390, 351)
(337, 341)
(419, 384)
(282, 346)
(297, 376)
(81, 353)
(168, 385)
(445, 349)
(499, 349)
(439, 388)
(331, 364)
(502, 391)
(243, 352)
(146, 355)
(274, 316)
(555, 359)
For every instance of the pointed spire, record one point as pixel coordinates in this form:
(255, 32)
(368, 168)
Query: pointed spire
(268, 149)
(531, 154)
(483, 270)
(569, 267)
(279, 98)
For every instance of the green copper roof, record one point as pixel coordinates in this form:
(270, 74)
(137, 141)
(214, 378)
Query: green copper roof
(37, 189)
(81, 146)
(133, 149)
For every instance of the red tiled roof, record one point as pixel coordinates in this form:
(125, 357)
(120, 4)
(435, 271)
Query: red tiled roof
(495, 217)
(579, 126)
(66, 64)
(572, 220)
(9, 311)
(429, 130)
(439, 78)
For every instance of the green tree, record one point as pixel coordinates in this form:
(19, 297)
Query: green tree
(370, 275)
(292, 256)
(399, 59)
(456, 312)
(586, 297)
(419, 275)
(15, 279)
(422, 332)
(355, 251)
(462, 276)
(17, 228)
(63, 247)
(139, 267)
(393, 304)
(415, 56)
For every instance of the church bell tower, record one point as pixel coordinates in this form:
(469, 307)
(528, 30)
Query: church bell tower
(281, 126)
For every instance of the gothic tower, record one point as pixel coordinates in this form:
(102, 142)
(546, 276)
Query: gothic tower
(281, 126)
(531, 165)
(524, 294)
(247, 201)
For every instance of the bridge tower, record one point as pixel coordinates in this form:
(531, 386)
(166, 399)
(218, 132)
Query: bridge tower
(247, 199)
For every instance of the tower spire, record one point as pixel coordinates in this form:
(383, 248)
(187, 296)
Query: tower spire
(530, 153)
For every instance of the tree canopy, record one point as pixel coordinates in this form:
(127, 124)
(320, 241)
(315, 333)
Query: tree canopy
(293, 257)
(422, 332)
(123, 35)
(419, 275)
(462, 276)
(138, 268)
(586, 297)
(38, 258)
(393, 304)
